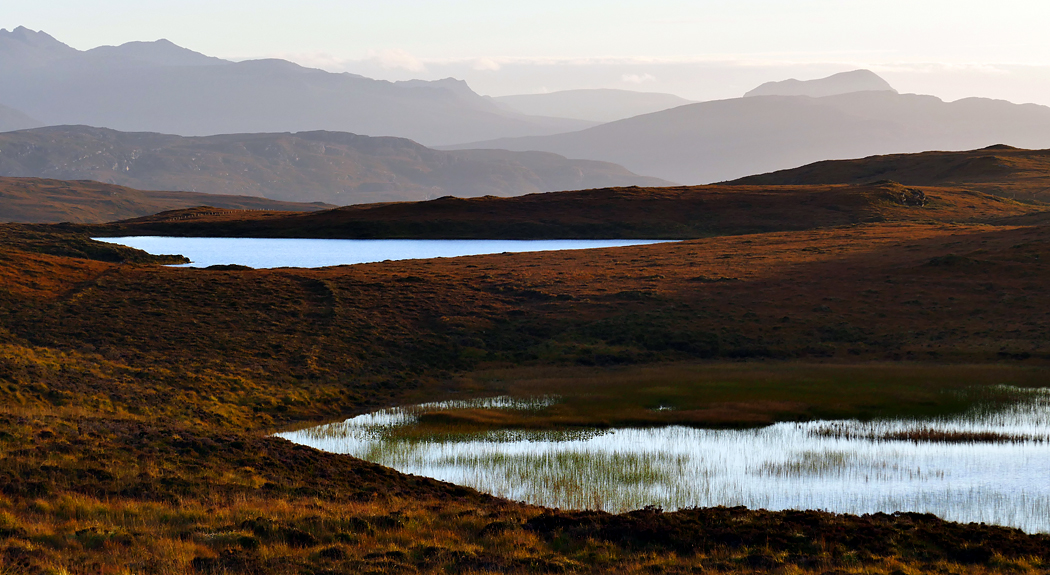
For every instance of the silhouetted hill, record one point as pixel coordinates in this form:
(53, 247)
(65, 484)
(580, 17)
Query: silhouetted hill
(594, 105)
(647, 213)
(25, 48)
(333, 167)
(33, 200)
(726, 139)
(842, 83)
(11, 119)
(159, 53)
(160, 87)
(1000, 170)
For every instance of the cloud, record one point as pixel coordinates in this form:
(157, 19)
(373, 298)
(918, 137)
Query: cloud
(637, 78)
(486, 65)
(395, 59)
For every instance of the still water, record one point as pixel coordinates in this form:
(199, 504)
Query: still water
(1002, 477)
(312, 253)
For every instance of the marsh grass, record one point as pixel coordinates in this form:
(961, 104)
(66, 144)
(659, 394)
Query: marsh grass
(985, 464)
(742, 395)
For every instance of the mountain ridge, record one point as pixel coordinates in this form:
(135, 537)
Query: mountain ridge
(334, 167)
(726, 139)
(161, 87)
(834, 85)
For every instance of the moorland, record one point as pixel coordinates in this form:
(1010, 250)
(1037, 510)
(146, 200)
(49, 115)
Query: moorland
(138, 400)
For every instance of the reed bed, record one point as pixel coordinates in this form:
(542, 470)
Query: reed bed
(989, 464)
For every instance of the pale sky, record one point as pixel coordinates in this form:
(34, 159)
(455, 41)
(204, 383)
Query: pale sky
(699, 49)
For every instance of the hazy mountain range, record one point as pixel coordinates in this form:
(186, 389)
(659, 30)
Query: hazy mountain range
(160, 87)
(603, 105)
(725, 139)
(12, 119)
(842, 83)
(338, 168)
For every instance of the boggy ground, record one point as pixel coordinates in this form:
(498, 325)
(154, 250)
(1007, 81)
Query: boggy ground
(136, 399)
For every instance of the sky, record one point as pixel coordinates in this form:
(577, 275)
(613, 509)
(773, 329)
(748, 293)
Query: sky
(698, 49)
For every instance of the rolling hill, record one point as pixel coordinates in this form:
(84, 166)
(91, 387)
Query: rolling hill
(998, 169)
(32, 200)
(161, 87)
(645, 213)
(337, 168)
(727, 139)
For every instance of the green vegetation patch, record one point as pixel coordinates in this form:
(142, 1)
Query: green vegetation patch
(735, 395)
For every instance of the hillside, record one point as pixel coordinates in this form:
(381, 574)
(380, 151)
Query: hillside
(32, 200)
(597, 105)
(139, 402)
(652, 213)
(727, 139)
(161, 87)
(337, 168)
(1000, 170)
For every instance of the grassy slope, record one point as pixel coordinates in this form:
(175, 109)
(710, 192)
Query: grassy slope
(135, 398)
(33, 200)
(1000, 170)
(686, 212)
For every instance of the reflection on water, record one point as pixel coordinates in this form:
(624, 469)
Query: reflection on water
(840, 466)
(314, 253)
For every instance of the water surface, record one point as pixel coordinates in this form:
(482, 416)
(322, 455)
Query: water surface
(314, 253)
(841, 466)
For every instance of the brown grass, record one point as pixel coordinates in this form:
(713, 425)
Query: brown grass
(136, 398)
(1000, 170)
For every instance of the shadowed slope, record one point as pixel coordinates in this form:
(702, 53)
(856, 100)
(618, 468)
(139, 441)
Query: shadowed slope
(645, 213)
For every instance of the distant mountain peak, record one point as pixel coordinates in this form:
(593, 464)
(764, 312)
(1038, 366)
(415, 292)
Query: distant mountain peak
(159, 53)
(23, 44)
(33, 37)
(841, 83)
